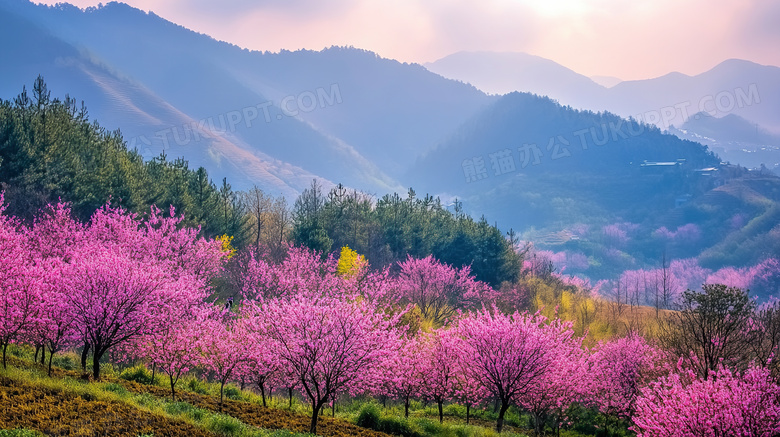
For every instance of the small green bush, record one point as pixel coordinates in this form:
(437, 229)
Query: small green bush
(369, 416)
(139, 374)
(232, 392)
(429, 426)
(195, 385)
(67, 361)
(397, 426)
(225, 425)
(183, 408)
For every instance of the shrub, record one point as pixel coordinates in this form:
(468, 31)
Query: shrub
(429, 426)
(396, 426)
(196, 385)
(225, 425)
(232, 392)
(139, 374)
(369, 416)
(67, 361)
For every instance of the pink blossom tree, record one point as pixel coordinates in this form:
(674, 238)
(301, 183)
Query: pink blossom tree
(162, 240)
(171, 344)
(301, 272)
(765, 344)
(619, 233)
(55, 234)
(619, 370)
(437, 289)
(167, 242)
(508, 354)
(329, 345)
(438, 367)
(401, 372)
(223, 347)
(21, 280)
(467, 389)
(560, 386)
(55, 326)
(263, 367)
(730, 404)
(114, 298)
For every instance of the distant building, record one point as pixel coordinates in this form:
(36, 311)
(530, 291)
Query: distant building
(662, 166)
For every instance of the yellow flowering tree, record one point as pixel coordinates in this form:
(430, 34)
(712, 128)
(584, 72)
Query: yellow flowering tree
(227, 245)
(351, 263)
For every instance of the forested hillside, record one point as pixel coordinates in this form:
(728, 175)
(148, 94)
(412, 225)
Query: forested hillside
(51, 151)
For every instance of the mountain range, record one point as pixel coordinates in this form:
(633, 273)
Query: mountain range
(349, 116)
(733, 87)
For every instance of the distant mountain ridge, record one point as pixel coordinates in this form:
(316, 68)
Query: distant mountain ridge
(734, 86)
(351, 135)
(506, 72)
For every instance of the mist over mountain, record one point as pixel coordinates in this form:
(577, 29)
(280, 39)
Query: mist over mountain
(503, 73)
(617, 193)
(342, 107)
(535, 138)
(733, 87)
(606, 81)
(728, 131)
(734, 139)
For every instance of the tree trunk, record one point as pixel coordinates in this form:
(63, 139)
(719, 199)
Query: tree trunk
(84, 355)
(173, 388)
(35, 355)
(537, 424)
(154, 370)
(43, 355)
(289, 390)
(406, 407)
(51, 358)
(262, 393)
(440, 403)
(221, 391)
(96, 364)
(314, 416)
(501, 412)
(333, 408)
(468, 410)
(5, 347)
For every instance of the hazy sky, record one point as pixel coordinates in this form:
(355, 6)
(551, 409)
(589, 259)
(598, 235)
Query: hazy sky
(628, 39)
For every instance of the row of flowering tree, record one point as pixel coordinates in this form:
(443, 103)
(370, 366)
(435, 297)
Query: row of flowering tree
(140, 286)
(101, 285)
(519, 359)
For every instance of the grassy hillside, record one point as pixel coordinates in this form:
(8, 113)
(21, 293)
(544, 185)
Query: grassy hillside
(68, 404)
(128, 403)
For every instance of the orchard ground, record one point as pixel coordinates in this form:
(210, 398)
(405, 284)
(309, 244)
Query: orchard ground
(33, 404)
